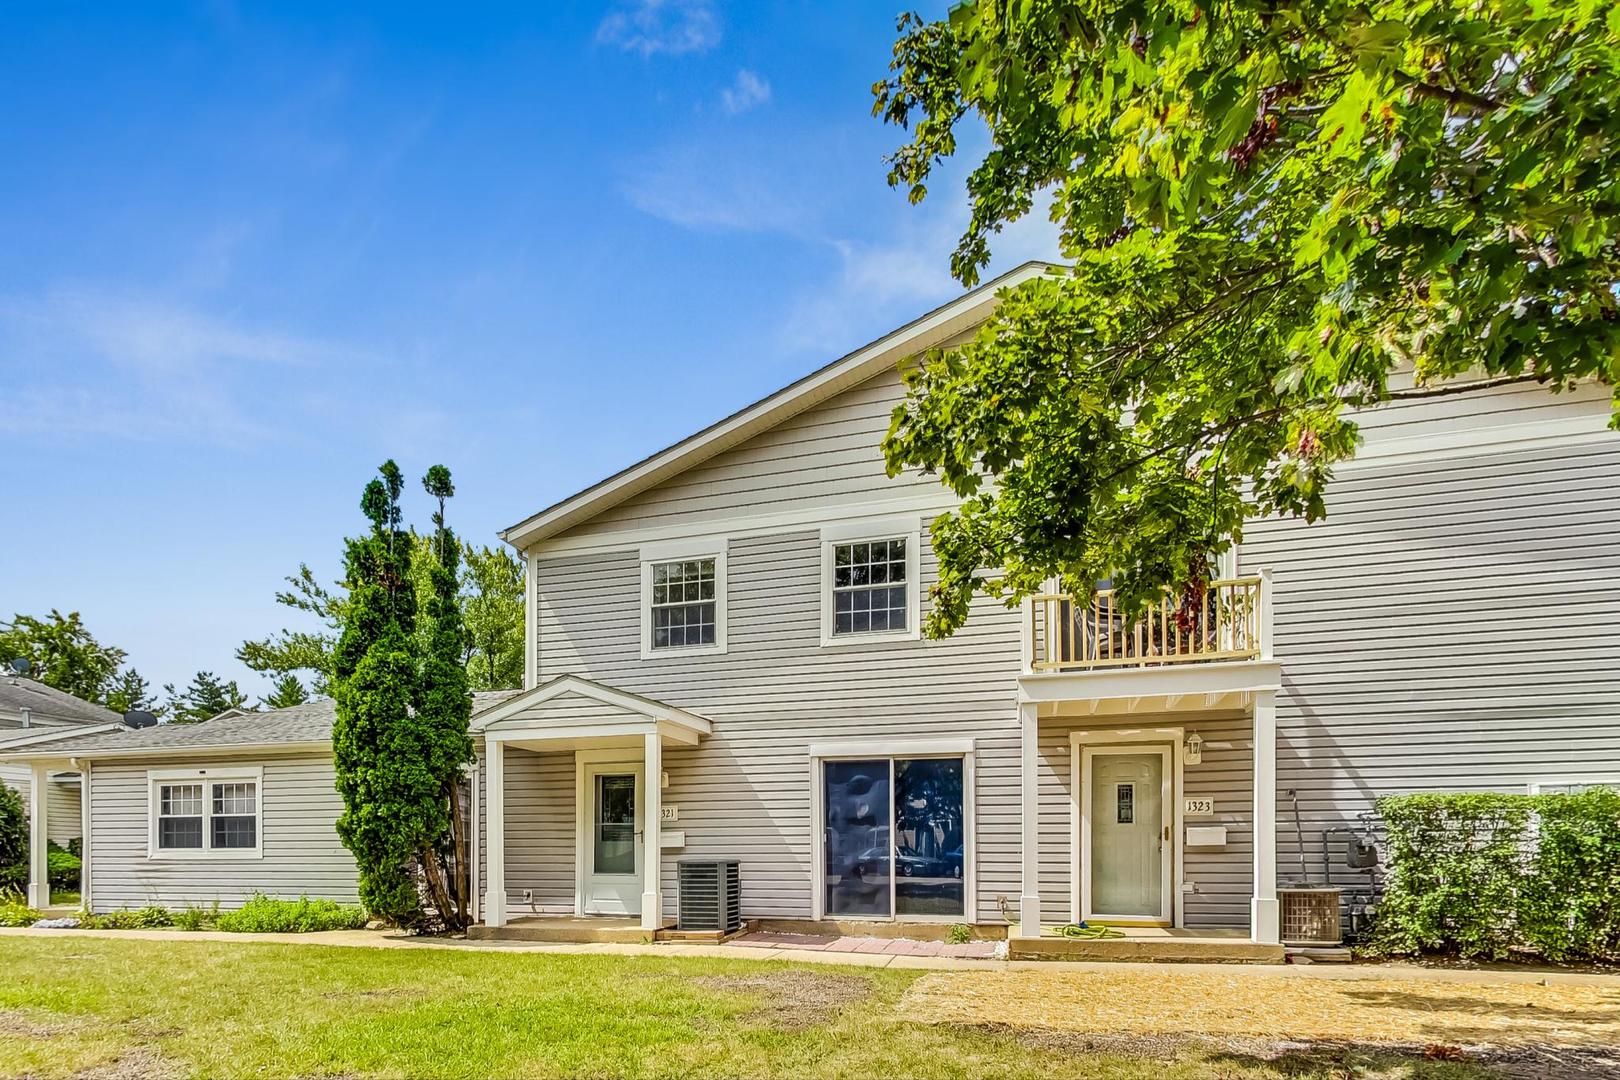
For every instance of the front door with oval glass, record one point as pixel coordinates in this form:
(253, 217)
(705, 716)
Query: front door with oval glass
(613, 857)
(1126, 864)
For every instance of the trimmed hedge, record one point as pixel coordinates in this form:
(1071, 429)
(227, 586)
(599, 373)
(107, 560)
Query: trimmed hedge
(263, 915)
(1480, 875)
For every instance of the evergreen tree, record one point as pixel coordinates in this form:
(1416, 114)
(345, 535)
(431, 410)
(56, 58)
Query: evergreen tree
(129, 691)
(205, 698)
(383, 768)
(285, 692)
(444, 708)
(63, 653)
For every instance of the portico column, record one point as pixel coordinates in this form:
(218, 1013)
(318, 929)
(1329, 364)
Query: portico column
(1029, 898)
(1265, 925)
(39, 872)
(652, 892)
(495, 879)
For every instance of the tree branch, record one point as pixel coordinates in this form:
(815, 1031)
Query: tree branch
(1448, 389)
(1473, 102)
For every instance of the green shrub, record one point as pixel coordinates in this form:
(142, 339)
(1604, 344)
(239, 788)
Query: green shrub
(62, 867)
(1479, 875)
(13, 841)
(15, 913)
(197, 918)
(264, 915)
(146, 918)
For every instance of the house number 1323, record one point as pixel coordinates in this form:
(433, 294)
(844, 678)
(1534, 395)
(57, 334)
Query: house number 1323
(1197, 807)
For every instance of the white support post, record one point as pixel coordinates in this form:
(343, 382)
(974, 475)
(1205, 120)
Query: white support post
(1265, 613)
(1026, 635)
(39, 872)
(475, 841)
(1265, 920)
(495, 798)
(1029, 899)
(652, 891)
(84, 836)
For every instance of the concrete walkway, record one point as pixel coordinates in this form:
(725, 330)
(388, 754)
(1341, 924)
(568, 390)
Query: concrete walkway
(387, 939)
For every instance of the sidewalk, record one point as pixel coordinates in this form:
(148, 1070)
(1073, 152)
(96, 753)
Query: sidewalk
(785, 952)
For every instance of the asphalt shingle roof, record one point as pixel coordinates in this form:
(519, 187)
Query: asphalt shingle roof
(307, 723)
(18, 693)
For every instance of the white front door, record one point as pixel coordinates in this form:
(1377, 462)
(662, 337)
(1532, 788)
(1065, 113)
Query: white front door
(1127, 846)
(612, 840)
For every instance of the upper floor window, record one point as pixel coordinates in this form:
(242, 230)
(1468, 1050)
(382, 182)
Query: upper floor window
(683, 603)
(683, 598)
(869, 587)
(201, 813)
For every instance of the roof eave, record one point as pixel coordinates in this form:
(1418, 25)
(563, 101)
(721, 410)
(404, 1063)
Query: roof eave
(144, 752)
(831, 379)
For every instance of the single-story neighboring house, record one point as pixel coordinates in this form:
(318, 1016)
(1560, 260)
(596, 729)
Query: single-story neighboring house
(32, 714)
(205, 813)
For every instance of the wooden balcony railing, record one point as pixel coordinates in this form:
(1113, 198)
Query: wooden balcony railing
(1224, 622)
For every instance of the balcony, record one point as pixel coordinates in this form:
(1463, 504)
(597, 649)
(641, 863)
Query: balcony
(1227, 622)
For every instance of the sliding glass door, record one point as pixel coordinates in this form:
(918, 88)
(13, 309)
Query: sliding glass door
(894, 838)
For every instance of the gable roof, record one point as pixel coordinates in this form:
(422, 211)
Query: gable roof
(887, 352)
(309, 724)
(18, 692)
(575, 686)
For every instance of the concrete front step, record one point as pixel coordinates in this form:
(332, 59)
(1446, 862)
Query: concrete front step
(588, 931)
(1179, 950)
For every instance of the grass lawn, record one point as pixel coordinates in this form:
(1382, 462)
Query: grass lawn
(72, 1005)
(64, 897)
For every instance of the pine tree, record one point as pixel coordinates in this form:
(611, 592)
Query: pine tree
(204, 699)
(381, 773)
(443, 711)
(285, 692)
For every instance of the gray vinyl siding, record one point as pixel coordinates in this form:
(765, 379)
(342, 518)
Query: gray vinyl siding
(745, 792)
(1222, 879)
(64, 820)
(540, 830)
(298, 814)
(826, 455)
(1449, 627)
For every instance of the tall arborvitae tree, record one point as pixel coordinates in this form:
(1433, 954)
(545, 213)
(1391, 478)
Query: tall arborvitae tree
(443, 711)
(382, 773)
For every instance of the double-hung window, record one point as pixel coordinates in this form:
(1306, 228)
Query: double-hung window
(205, 813)
(869, 582)
(683, 598)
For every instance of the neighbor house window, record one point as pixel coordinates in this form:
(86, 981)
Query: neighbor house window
(683, 598)
(870, 585)
(201, 813)
(1570, 787)
(180, 817)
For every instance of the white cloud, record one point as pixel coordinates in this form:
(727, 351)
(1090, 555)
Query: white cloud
(748, 91)
(649, 27)
(685, 186)
(881, 284)
(101, 364)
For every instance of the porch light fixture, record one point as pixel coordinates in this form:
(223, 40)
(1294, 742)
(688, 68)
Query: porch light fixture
(1195, 749)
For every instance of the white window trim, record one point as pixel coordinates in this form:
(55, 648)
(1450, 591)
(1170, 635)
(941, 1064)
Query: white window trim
(673, 551)
(908, 529)
(1534, 787)
(156, 778)
(872, 749)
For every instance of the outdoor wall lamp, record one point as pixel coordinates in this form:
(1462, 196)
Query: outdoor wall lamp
(1195, 749)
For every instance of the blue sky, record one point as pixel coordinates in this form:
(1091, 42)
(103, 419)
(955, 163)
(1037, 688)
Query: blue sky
(251, 251)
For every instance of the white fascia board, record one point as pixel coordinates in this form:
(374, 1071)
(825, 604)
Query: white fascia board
(44, 754)
(1238, 676)
(857, 367)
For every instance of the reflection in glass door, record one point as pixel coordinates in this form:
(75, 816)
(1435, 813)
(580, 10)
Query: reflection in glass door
(615, 825)
(894, 835)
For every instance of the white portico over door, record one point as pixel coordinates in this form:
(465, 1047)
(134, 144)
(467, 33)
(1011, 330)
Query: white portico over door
(617, 739)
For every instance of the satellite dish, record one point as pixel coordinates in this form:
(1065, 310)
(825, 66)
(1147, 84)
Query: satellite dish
(18, 666)
(139, 718)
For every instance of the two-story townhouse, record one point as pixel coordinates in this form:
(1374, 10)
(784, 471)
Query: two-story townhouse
(725, 660)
